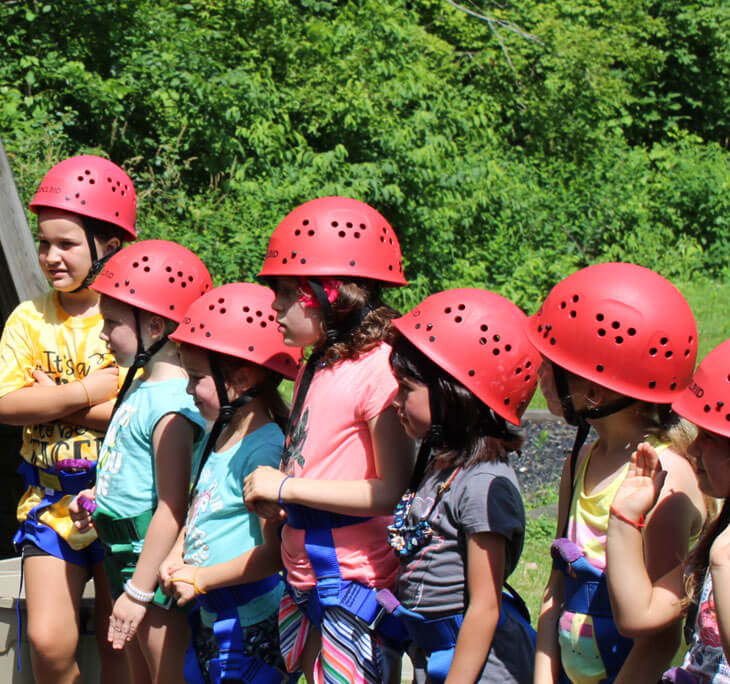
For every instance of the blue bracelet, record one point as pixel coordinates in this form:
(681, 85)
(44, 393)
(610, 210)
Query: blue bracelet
(281, 487)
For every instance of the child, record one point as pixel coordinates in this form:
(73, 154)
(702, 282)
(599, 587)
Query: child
(648, 606)
(347, 459)
(619, 344)
(144, 464)
(464, 367)
(57, 380)
(235, 360)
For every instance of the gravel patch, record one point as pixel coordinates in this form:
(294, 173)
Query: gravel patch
(548, 441)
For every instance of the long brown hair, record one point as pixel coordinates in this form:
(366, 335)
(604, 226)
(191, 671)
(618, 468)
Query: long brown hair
(353, 296)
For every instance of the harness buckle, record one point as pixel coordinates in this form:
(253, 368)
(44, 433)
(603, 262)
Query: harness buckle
(49, 480)
(328, 588)
(378, 617)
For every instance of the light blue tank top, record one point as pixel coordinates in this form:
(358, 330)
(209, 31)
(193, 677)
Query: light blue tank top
(126, 483)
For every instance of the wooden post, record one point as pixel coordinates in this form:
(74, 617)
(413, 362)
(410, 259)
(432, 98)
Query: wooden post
(21, 278)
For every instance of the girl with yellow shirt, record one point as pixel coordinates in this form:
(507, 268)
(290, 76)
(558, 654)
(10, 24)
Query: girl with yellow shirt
(57, 380)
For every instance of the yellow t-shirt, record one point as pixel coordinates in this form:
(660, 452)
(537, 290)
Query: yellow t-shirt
(588, 529)
(40, 334)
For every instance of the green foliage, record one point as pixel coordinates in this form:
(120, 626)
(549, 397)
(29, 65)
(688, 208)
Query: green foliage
(506, 151)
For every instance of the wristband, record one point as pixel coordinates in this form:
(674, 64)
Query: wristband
(86, 392)
(137, 594)
(193, 582)
(638, 524)
(281, 488)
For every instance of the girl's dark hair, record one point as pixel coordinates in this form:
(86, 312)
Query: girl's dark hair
(353, 296)
(472, 432)
(274, 405)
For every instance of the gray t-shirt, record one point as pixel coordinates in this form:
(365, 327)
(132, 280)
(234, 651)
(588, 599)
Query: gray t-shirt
(483, 498)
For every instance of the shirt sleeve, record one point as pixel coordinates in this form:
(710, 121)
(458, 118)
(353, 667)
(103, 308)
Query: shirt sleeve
(491, 503)
(16, 354)
(379, 387)
(265, 451)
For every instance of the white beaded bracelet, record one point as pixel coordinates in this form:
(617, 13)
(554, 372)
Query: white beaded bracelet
(138, 594)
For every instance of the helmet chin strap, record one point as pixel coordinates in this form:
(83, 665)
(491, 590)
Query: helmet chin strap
(336, 331)
(580, 418)
(226, 412)
(97, 264)
(141, 358)
(434, 438)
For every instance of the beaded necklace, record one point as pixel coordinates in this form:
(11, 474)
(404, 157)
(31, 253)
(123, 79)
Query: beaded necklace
(406, 539)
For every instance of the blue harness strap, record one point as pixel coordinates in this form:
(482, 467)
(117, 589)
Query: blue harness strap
(56, 484)
(586, 592)
(232, 664)
(331, 589)
(438, 636)
(62, 482)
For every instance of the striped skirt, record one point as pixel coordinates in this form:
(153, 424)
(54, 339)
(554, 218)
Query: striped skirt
(350, 653)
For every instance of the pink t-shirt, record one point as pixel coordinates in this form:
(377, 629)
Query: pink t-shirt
(331, 441)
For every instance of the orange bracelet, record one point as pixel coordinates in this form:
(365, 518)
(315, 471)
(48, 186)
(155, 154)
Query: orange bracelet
(192, 582)
(636, 524)
(88, 396)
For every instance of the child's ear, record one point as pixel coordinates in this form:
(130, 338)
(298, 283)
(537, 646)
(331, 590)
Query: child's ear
(111, 245)
(157, 326)
(245, 377)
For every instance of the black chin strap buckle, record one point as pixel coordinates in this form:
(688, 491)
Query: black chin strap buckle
(226, 413)
(97, 265)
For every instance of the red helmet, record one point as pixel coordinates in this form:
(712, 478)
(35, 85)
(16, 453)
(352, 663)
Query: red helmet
(155, 275)
(237, 319)
(335, 237)
(706, 401)
(478, 337)
(90, 186)
(621, 326)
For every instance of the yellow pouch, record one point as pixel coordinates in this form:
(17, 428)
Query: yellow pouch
(56, 516)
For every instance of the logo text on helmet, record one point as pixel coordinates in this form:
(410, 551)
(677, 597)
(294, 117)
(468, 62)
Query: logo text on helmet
(272, 253)
(50, 188)
(696, 390)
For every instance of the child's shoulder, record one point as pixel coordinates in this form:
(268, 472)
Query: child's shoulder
(43, 308)
(269, 435)
(372, 363)
(486, 473)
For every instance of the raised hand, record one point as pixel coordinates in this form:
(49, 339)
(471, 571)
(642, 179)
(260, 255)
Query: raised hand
(639, 491)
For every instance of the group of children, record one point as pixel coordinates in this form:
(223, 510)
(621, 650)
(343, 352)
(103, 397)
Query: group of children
(235, 539)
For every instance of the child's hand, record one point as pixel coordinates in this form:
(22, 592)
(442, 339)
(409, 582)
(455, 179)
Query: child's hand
(269, 510)
(639, 491)
(720, 550)
(124, 620)
(262, 485)
(42, 379)
(183, 583)
(82, 519)
(102, 384)
(168, 568)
